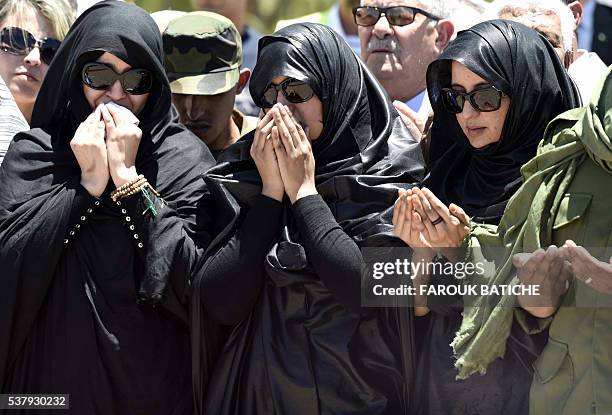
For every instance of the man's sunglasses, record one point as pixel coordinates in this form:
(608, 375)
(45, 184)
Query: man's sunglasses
(396, 15)
(295, 91)
(482, 100)
(17, 41)
(99, 76)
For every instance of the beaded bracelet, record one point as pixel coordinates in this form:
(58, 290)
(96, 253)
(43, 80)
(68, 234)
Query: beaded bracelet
(130, 183)
(141, 188)
(128, 187)
(131, 190)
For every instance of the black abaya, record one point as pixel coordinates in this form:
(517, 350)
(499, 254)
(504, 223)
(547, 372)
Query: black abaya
(523, 65)
(93, 297)
(302, 344)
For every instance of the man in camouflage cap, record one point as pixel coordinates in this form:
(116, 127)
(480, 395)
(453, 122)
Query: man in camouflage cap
(236, 11)
(203, 53)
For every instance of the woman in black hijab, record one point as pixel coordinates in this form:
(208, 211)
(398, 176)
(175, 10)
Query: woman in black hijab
(493, 90)
(300, 203)
(93, 289)
(519, 63)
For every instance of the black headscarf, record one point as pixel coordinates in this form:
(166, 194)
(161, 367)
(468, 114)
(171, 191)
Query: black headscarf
(326, 73)
(128, 35)
(524, 66)
(363, 156)
(40, 171)
(364, 145)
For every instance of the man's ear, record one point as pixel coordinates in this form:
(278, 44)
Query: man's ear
(577, 10)
(445, 28)
(245, 75)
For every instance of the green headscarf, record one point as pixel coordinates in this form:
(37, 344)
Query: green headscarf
(527, 222)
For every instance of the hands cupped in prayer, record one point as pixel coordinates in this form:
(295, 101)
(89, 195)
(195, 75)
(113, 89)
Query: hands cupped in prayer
(549, 269)
(588, 269)
(421, 220)
(553, 270)
(283, 156)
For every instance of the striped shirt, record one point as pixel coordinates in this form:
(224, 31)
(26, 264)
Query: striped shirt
(11, 119)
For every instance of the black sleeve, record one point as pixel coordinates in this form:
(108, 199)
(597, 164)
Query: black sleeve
(445, 305)
(33, 238)
(334, 255)
(233, 275)
(169, 239)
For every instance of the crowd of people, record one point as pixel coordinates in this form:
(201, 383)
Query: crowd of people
(185, 207)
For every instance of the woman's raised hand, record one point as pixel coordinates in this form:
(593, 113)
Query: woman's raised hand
(89, 148)
(442, 226)
(405, 219)
(294, 153)
(122, 141)
(262, 153)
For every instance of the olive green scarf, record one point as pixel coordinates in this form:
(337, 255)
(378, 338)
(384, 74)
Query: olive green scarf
(527, 222)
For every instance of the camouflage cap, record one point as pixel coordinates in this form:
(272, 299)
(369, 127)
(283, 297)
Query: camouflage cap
(203, 53)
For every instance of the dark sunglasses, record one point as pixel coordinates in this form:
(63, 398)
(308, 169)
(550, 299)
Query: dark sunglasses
(483, 100)
(17, 41)
(396, 15)
(295, 91)
(99, 76)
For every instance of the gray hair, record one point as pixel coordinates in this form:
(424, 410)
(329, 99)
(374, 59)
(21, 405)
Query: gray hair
(557, 7)
(467, 13)
(58, 13)
(436, 7)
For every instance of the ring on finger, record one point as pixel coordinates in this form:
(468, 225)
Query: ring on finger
(437, 221)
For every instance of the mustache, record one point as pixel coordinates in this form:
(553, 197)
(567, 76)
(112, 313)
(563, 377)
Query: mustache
(387, 44)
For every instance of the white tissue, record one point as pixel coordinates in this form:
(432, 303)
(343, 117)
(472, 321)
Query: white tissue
(124, 111)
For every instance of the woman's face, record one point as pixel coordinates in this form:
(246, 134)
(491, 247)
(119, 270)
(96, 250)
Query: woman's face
(308, 114)
(24, 74)
(115, 93)
(480, 128)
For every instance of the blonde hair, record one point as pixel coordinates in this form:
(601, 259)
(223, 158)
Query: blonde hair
(58, 13)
